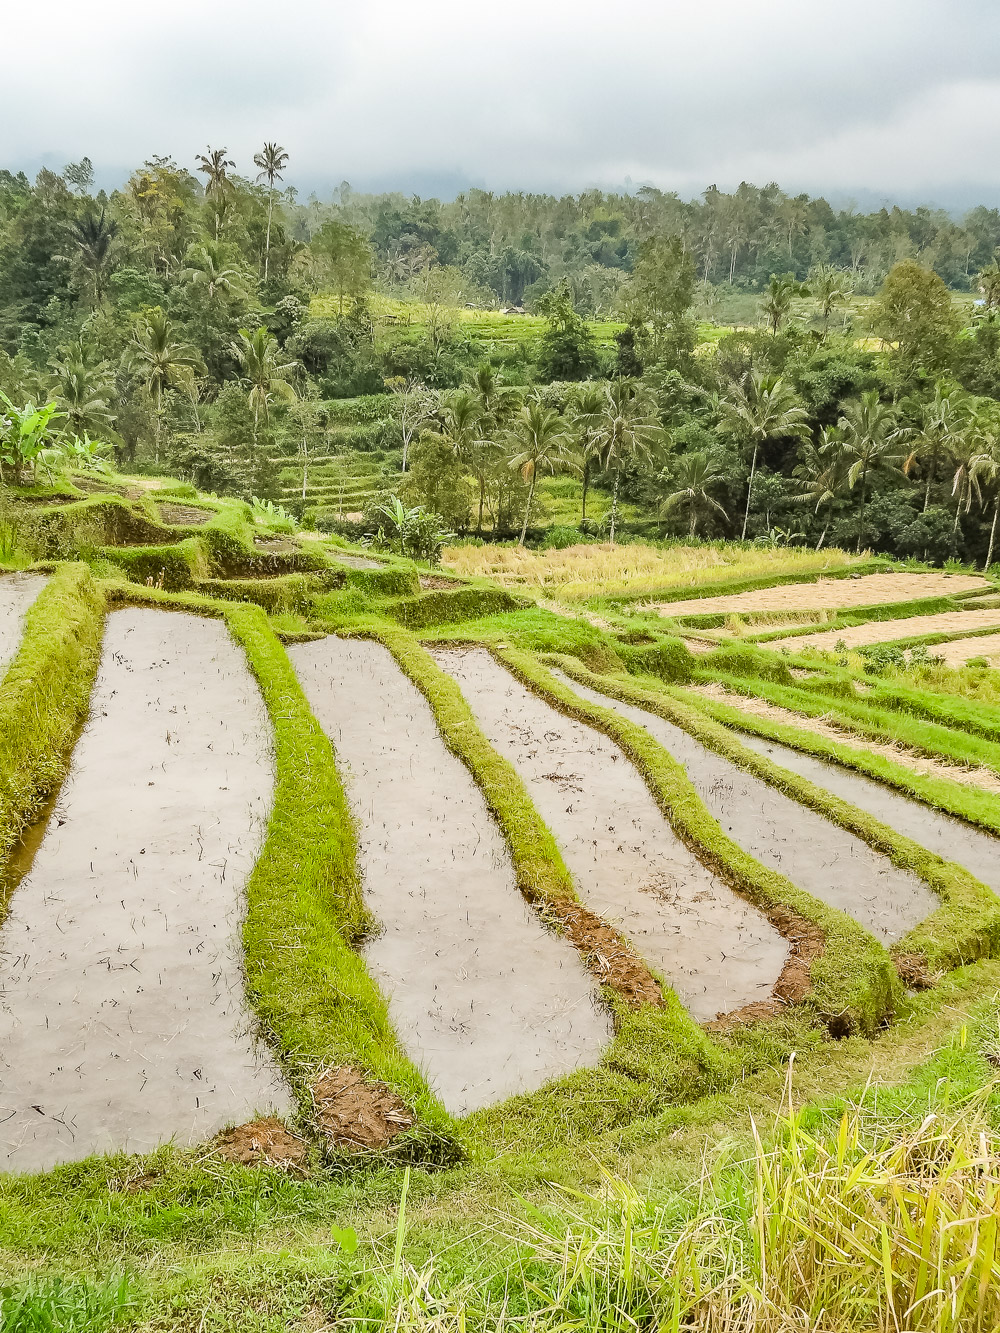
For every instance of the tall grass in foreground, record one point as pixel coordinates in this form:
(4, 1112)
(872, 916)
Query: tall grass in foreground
(62, 1307)
(844, 1233)
(600, 570)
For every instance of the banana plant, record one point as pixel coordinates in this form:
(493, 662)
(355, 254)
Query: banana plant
(24, 433)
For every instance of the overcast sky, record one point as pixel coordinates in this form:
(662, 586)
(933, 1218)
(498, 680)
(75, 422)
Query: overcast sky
(872, 99)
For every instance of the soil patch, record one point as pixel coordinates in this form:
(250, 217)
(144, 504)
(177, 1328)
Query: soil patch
(959, 651)
(484, 998)
(354, 1113)
(608, 955)
(810, 850)
(186, 516)
(277, 545)
(17, 593)
(947, 837)
(263, 1141)
(887, 631)
(124, 1020)
(628, 865)
(356, 561)
(807, 944)
(830, 594)
(91, 486)
(436, 581)
(820, 726)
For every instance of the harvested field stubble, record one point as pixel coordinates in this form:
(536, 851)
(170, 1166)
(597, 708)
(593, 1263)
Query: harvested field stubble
(123, 1021)
(876, 631)
(486, 1001)
(593, 569)
(717, 952)
(830, 594)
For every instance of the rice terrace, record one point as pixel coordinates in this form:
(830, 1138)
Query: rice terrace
(499, 759)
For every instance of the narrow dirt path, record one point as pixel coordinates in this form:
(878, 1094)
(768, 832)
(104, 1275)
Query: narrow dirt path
(123, 1020)
(829, 594)
(17, 592)
(718, 952)
(948, 837)
(484, 998)
(814, 853)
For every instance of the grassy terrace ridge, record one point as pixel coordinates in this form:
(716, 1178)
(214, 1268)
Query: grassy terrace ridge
(45, 696)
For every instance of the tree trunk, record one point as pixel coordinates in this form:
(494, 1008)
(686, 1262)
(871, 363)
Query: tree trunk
(527, 511)
(406, 449)
(267, 239)
(993, 532)
(482, 504)
(861, 520)
(305, 467)
(932, 468)
(614, 506)
(753, 469)
(693, 529)
(586, 487)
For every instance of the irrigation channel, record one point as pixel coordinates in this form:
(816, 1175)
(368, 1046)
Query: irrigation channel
(948, 837)
(17, 592)
(718, 952)
(813, 852)
(485, 1000)
(123, 1020)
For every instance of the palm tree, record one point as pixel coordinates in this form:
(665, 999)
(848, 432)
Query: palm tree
(871, 434)
(758, 409)
(626, 429)
(821, 474)
(207, 266)
(214, 164)
(694, 478)
(94, 236)
(778, 297)
(830, 288)
(943, 421)
(985, 467)
(260, 360)
(586, 407)
(461, 429)
(164, 362)
(272, 161)
(965, 479)
(82, 390)
(538, 442)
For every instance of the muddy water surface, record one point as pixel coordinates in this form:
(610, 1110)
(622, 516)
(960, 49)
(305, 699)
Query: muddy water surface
(17, 592)
(811, 851)
(950, 838)
(123, 1020)
(486, 1000)
(717, 951)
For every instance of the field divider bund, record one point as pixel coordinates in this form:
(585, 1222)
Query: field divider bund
(45, 695)
(967, 924)
(854, 985)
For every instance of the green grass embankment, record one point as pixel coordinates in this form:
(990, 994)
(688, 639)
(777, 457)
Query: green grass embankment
(45, 694)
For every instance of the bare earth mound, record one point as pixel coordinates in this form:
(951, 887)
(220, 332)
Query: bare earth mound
(628, 865)
(886, 631)
(123, 1020)
(355, 1113)
(829, 594)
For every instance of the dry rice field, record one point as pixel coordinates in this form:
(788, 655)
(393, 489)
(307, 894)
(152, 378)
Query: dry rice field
(592, 570)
